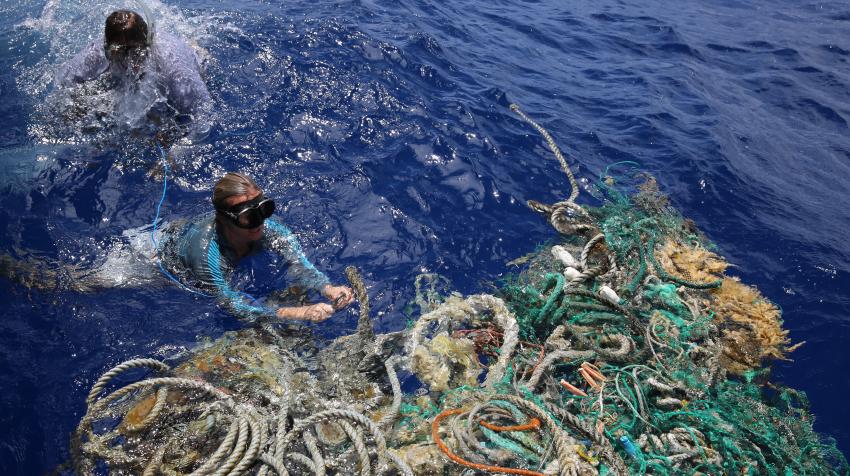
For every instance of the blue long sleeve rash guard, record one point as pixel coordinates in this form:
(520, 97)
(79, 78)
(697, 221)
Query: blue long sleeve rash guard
(198, 254)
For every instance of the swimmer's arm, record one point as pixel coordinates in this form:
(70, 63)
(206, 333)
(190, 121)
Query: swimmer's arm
(186, 89)
(313, 313)
(86, 65)
(280, 239)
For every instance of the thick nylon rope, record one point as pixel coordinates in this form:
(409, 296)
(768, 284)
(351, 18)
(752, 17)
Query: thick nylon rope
(388, 419)
(333, 415)
(563, 442)
(111, 373)
(313, 447)
(259, 432)
(85, 424)
(238, 450)
(223, 449)
(364, 323)
(276, 465)
(356, 437)
(435, 434)
(555, 150)
(161, 397)
(303, 459)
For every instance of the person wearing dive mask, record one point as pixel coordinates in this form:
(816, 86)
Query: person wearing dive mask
(128, 51)
(201, 254)
(205, 251)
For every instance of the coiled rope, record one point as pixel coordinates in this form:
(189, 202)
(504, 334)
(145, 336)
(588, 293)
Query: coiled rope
(248, 432)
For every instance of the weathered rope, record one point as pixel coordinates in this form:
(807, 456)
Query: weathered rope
(239, 449)
(557, 356)
(161, 397)
(85, 426)
(123, 367)
(275, 464)
(388, 419)
(313, 447)
(555, 150)
(356, 437)
(564, 444)
(350, 415)
(435, 434)
(306, 461)
(364, 323)
(259, 432)
(459, 312)
(223, 449)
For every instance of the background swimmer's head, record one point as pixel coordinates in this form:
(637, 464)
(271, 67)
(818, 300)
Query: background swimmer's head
(125, 35)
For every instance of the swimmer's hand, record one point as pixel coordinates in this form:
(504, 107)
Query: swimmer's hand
(340, 296)
(313, 313)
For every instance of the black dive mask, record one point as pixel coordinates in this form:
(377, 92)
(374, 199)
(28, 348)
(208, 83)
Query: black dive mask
(250, 214)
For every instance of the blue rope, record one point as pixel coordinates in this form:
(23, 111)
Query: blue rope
(162, 269)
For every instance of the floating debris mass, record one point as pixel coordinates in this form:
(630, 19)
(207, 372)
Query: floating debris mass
(622, 349)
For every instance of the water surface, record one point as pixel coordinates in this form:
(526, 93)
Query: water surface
(382, 128)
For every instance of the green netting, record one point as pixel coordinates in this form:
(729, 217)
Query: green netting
(625, 350)
(677, 402)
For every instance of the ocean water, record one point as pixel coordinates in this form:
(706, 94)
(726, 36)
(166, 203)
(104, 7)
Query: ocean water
(382, 129)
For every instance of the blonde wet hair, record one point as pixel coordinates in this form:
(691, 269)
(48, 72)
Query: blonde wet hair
(233, 184)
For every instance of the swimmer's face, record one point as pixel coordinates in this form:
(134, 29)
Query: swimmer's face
(248, 234)
(127, 55)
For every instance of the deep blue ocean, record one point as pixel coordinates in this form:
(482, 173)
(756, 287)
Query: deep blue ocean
(383, 130)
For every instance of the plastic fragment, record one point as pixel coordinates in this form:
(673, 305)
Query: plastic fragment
(609, 294)
(628, 446)
(571, 273)
(561, 254)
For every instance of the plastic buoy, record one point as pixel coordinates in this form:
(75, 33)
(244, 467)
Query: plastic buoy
(609, 295)
(561, 254)
(571, 273)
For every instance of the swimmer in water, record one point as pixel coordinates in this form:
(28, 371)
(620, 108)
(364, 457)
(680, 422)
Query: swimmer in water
(201, 253)
(205, 251)
(129, 51)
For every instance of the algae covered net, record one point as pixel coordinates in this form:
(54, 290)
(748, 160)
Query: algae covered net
(621, 349)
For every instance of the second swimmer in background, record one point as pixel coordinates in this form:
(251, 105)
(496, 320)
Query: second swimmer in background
(157, 75)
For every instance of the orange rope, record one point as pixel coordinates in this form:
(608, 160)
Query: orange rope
(593, 371)
(573, 389)
(435, 433)
(531, 425)
(586, 375)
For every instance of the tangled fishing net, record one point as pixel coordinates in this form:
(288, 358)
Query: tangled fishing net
(621, 349)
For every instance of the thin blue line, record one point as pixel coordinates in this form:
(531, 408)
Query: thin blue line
(164, 190)
(168, 275)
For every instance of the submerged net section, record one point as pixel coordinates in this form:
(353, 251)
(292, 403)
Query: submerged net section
(622, 349)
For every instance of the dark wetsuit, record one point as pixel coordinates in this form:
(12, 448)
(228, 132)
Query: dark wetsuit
(200, 256)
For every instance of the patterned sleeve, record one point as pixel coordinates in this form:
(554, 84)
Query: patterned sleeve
(86, 65)
(237, 303)
(280, 239)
